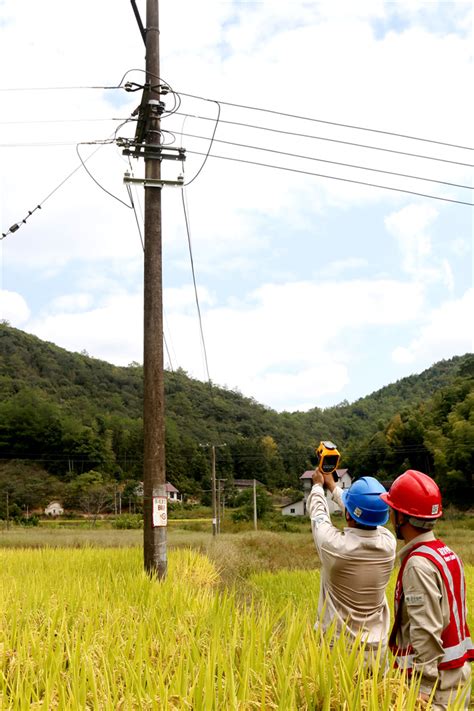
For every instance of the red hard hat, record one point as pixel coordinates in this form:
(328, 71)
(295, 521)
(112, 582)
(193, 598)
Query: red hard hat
(415, 494)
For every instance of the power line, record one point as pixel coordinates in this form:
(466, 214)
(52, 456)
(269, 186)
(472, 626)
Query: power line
(132, 202)
(331, 140)
(188, 232)
(333, 177)
(97, 182)
(46, 144)
(330, 123)
(16, 226)
(40, 121)
(323, 160)
(210, 146)
(55, 88)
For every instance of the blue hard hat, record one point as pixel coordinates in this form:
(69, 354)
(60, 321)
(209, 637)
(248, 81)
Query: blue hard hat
(363, 502)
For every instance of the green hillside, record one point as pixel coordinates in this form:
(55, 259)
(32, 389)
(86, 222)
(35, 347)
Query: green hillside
(69, 413)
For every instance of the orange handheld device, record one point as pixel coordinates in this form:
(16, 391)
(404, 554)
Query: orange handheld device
(328, 457)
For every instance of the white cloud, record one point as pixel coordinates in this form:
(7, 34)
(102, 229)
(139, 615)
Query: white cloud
(71, 302)
(411, 228)
(112, 331)
(13, 308)
(285, 343)
(448, 331)
(341, 265)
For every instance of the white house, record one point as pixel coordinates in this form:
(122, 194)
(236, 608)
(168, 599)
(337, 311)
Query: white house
(344, 481)
(296, 508)
(172, 492)
(54, 509)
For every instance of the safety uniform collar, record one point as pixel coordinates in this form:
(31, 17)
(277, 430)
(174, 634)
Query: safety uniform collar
(422, 538)
(360, 532)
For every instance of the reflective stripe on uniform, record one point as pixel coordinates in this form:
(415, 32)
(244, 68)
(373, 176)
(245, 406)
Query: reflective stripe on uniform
(427, 550)
(457, 651)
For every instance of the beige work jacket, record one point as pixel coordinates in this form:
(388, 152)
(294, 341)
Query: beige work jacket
(424, 616)
(355, 569)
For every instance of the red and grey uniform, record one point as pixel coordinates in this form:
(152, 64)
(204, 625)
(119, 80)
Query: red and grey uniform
(430, 633)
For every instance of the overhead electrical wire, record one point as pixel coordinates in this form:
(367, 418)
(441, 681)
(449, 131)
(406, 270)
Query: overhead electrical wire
(16, 226)
(69, 120)
(210, 146)
(140, 234)
(333, 177)
(55, 88)
(188, 233)
(324, 160)
(329, 123)
(325, 138)
(97, 182)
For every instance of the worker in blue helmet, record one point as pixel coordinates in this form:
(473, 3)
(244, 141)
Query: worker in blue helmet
(356, 562)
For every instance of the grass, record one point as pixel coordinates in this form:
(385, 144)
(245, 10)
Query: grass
(250, 551)
(87, 629)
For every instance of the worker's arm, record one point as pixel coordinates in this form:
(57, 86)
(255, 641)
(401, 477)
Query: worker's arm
(423, 597)
(317, 506)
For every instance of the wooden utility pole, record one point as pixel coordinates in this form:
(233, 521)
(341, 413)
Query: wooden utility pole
(213, 487)
(255, 504)
(154, 479)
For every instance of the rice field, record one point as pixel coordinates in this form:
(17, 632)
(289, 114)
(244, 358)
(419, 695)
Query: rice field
(87, 629)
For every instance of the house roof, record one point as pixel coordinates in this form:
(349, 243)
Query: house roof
(169, 488)
(246, 482)
(309, 474)
(290, 503)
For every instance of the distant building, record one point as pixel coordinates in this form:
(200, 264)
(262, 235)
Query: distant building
(54, 509)
(294, 508)
(172, 492)
(344, 481)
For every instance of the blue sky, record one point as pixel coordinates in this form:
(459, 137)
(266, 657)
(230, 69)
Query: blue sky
(312, 290)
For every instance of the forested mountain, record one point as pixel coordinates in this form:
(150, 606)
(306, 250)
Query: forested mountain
(68, 413)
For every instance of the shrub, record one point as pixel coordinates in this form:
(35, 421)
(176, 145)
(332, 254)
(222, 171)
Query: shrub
(128, 521)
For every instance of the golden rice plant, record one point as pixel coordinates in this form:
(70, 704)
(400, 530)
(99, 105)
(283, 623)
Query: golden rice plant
(87, 629)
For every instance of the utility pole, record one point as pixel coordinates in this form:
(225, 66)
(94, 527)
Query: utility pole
(213, 487)
(255, 504)
(219, 505)
(154, 479)
(215, 509)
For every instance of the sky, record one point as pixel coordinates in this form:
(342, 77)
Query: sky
(313, 290)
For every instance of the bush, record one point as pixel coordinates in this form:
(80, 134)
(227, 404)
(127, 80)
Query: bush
(30, 521)
(239, 516)
(128, 521)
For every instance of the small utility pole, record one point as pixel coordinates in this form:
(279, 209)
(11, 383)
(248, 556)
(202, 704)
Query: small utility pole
(220, 503)
(215, 503)
(213, 487)
(255, 504)
(154, 479)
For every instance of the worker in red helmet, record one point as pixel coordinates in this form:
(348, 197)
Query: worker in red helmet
(430, 634)
(356, 563)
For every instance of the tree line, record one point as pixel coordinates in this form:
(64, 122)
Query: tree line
(64, 415)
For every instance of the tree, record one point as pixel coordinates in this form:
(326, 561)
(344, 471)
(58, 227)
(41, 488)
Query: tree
(92, 492)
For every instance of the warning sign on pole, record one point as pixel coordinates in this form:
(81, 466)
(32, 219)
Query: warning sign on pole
(160, 511)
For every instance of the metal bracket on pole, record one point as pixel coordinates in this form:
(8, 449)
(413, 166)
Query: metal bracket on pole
(147, 150)
(152, 182)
